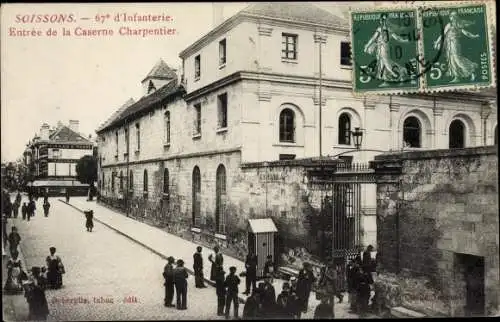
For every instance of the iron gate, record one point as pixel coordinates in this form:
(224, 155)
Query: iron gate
(341, 213)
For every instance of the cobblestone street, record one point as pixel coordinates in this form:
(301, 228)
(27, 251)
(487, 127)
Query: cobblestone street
(104, 266)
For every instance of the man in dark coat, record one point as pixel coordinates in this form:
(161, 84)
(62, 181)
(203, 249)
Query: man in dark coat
(352, 271)
(220, 290)
(46, 207)
(14, 240)
(305, 282)
(24, 210)
(180, 281)
(217, 261)
(15, 209)
(324, 310)
(198, 268)
(31, 209)
(18, 198)
(286, 303)
(232, 282)
(168, 275)
(35, 295)
(268, 298)
(8, 207)
(251, 310)
(364, 281)
(251, 272)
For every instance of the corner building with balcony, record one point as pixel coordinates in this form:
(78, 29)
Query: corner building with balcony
(234, 136)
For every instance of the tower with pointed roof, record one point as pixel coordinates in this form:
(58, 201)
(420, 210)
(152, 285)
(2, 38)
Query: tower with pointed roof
(160, 75)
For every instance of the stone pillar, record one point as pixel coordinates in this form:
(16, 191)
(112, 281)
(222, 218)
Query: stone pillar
(437, 125)
(485, 113)
(388, 170)
(396, 132)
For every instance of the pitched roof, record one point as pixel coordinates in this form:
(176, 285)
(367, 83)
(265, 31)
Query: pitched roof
(161, 71)
(116, 114)
(148, 102)
(295, 11)
(65, 134)
(265, 225)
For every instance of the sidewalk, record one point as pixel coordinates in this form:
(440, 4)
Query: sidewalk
(164, 245)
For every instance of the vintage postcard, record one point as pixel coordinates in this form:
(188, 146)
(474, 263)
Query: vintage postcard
(261, 160)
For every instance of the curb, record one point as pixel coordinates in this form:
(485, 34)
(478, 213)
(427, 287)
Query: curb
(190, 271)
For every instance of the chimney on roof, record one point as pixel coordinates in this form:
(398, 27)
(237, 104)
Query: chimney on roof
(44, 131)
(218, 17)
(73, 125)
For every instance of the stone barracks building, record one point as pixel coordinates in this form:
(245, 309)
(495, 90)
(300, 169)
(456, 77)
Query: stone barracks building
(230, 136)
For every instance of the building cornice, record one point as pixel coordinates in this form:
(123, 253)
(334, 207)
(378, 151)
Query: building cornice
(247, 17)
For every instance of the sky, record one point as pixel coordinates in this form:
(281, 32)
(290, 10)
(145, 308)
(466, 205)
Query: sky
(46, 79)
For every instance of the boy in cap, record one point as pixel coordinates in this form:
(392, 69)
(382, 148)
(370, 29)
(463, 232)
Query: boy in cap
(268, 297)
(168, 275)
(232, 282)
(180, 278)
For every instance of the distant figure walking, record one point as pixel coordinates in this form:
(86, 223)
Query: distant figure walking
(251, 273)
(55, 269)
(46, 207)
(220, 290)
(305, 282)
(198, 268)
(24, 210)
(14, 240)
(15, 209)
(269, 267)
(67, 195)
(217, 263)
(89, 222)
(31, 209)
(180, 277)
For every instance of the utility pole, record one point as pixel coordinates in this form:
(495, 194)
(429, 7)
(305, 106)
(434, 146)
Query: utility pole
(320, 97)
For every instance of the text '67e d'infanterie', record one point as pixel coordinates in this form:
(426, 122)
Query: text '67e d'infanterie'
(100, 25)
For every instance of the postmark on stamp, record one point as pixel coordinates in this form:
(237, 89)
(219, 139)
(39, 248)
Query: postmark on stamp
(464, 44)
(421, 49)
(385, 50)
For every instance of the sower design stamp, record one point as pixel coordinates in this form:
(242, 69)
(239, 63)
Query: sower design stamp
(462, 47)
(384, 47)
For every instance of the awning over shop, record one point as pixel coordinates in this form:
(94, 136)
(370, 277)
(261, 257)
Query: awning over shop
(56, 183)
(265, 225)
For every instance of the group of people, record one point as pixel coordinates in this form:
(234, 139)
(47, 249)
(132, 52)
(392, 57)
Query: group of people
(360, 281)
(11, 209)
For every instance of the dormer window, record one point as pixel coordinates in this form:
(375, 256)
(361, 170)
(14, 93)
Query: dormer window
(151, 87)
(197, 69)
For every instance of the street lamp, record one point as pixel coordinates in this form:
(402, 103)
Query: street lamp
(357, 136)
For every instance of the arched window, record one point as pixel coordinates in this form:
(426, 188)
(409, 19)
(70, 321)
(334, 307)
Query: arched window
(166, 182)
(287, 125)
(456, 135)
(496, 136)
(121, 181)
(220, 197)
(196, 194)
(113, 174)
(412, 132)
(145, 184)
(344, 129)
(131, 183)
(167, 128)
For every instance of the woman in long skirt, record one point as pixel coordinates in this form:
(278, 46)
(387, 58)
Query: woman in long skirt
(15, 274)
(35, 295)
(55, 269)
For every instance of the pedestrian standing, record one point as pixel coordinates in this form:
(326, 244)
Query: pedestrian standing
(15, 274)
(14, 240)
(31, 209)
(18, 198)
(232, 282)
(220, 290)
(4, 228)
(217, 263)
(251, 310)
(180, 280)
(324, 310)
(89, 220)
(269, 267)
(46, 207)
(286, 303)
(67, 195)
(35, 295)
(55, 269)
(168, 275)
(251, 272)
(305, 282)
(46, 196)
(24, 210)
(198, 268)
(268, 298)
(8, 207)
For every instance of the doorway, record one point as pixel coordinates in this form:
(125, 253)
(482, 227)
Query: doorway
(473, 269)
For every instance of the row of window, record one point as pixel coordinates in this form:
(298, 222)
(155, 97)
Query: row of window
(289, 43)
(220, 193)
(127, 140)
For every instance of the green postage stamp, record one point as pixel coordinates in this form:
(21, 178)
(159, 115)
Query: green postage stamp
(422, 49)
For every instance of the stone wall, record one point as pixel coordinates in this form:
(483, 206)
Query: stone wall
(433, 206)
